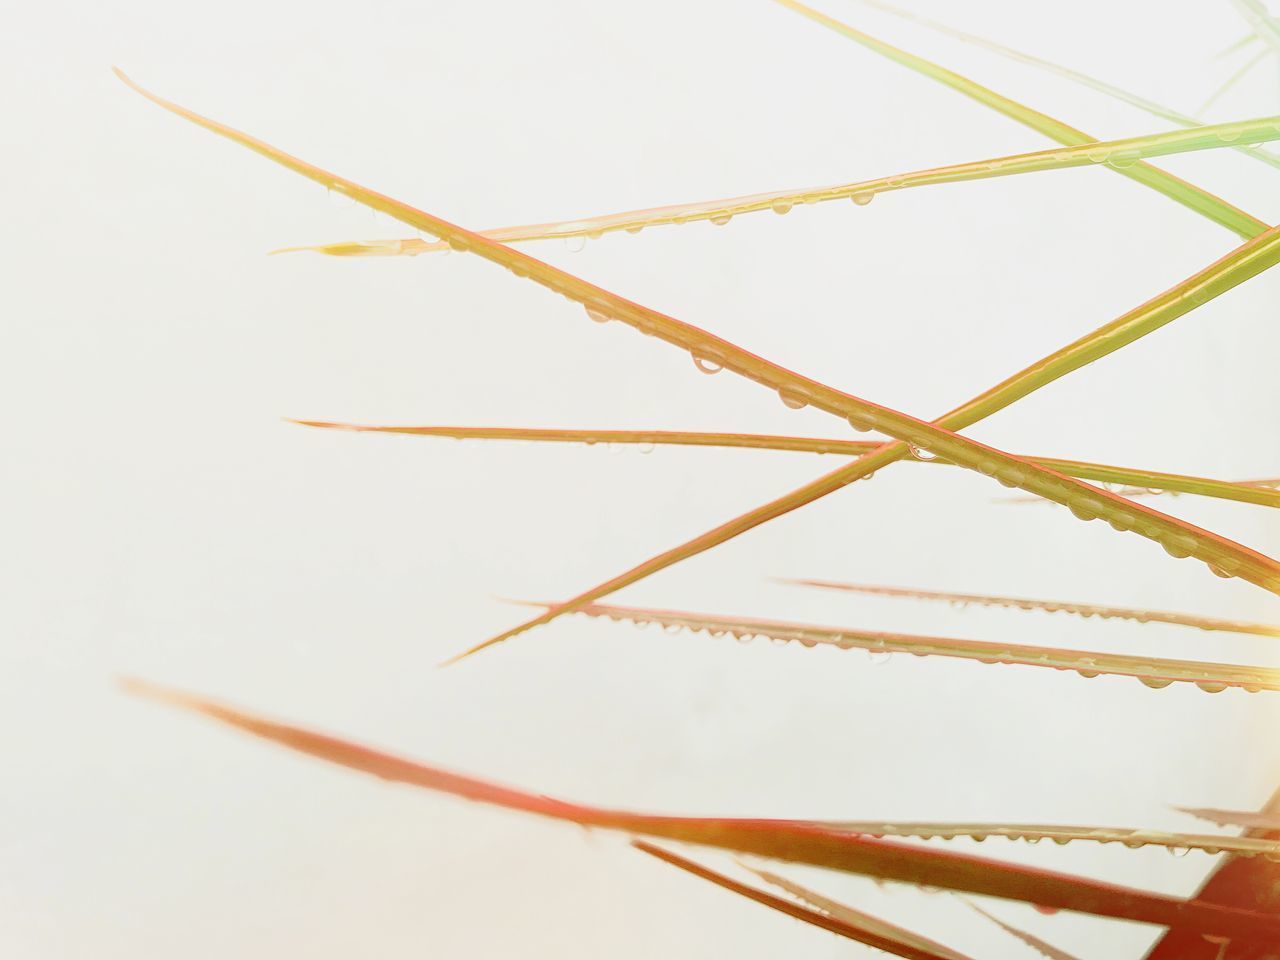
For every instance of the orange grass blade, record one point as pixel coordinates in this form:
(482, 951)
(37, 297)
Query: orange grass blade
(1245, 261)
(1248, 819)
(792, 841)
(865, 929)
(1035, 943)
(1178, 538)
(1118, 154)
(1155, 672)
(1248, 492)
(856, 918)
(1189, 195)
(1051, 606)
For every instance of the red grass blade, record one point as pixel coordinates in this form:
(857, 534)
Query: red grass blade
(793, 841)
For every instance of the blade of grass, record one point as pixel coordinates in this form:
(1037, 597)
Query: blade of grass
(1247, 260)
(1155, 672)
(1173, 187)
(1250, 884)
(870, 931)
(1260, 21)
(1178, 538)
(856, 918)
(1101, 86)
(1221, 489)
(1250, 820)
(1050, 606)
(1230, 82)
(1035, 943)
(792, 841)
(1118, 154)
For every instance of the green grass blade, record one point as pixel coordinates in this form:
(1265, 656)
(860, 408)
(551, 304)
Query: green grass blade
(852, 925)
(1052, 606)
(1118, 154)
(1045, 948)
(1230, 82)
(1136, 481)
(1101, 86)
(789, 840)
(1154, 672)
(1175, 188)
(1260, 21)
(1178, 538)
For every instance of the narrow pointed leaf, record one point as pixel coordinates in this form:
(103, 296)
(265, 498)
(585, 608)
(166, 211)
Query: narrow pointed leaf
(1261, 21)
(1269, 823)
(1248, 884)
(872, 932)
(857, 918)
(1178, 538)
(1250, 492)
(1111, 90)
(1052, 606)
(1173, 187)
(1119, 154)
(1155, 672)
(1035, 943)
(793, 841)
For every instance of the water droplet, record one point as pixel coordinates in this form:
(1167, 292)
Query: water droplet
(1208, 687)
(879, 657)
(781, 206)
(706, 364)
(1229, 135)
(1177, 546)
(920, 453)
(575, 244)
(1156, 683)
(646, 447)
(863, 197)
(792, 401)
(1083, 512)
(457, 243)
(1220, 572)
(1178, 851)
(636, 229)
(862, 421)
(721, 220)
(1123, 158)
(597, 313)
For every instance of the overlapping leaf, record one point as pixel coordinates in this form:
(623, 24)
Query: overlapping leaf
(1119, 154)
(789, 840)
(1144, 480)
(851, 924)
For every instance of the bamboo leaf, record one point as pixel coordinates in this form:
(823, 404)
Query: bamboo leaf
(852, 925)
(1052, 606)
(1173, 187)
(1118, 154)
(792, 841)
(1075, 76)
(1142, 480)
(1178, 538)
(1154, 672)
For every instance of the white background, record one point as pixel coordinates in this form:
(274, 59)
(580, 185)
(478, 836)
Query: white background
(160, 519)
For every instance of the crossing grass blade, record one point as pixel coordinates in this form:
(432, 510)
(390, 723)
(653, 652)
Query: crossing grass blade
(850, 924)
(1189, 195)
(1145, 481)
(1117, 154)
(788, 840)
(1179, 539)
(1075, 76)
